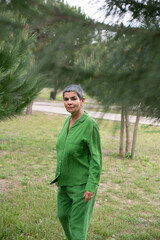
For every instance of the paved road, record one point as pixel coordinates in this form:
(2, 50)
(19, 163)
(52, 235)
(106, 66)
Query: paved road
(59, 109)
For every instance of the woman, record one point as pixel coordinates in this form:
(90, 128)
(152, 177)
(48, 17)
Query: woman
(79, 163)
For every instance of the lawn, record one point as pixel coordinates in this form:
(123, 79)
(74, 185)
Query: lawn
(128, 200)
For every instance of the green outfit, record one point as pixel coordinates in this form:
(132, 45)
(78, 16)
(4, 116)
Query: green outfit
(79, 163)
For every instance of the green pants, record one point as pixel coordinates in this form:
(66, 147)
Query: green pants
(73, 212)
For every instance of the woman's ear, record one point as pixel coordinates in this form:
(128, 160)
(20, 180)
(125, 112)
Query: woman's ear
(83, 100)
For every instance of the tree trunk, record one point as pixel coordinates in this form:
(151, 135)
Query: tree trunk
(53, 94)
(127, 131)
(121, 134)
(29, 109)
(135, 136)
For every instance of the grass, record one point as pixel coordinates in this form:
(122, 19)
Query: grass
(127, 206)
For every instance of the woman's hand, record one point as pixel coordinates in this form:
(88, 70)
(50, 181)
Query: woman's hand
(88, 196)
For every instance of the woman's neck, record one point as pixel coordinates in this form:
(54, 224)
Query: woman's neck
(75, 116)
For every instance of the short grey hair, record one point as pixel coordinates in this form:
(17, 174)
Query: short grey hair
(74, 88)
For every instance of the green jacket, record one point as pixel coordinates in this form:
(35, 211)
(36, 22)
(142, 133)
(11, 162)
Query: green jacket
(79, 157)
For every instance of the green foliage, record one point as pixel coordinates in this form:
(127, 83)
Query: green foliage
(146, 11)
(123, 69)
(127, 156)
(18, 85)
(21, 71)
(66, 38)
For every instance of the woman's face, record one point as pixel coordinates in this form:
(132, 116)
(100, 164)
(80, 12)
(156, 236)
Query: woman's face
(72, 102)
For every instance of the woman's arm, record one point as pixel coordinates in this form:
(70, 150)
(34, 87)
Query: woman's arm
(94, 145)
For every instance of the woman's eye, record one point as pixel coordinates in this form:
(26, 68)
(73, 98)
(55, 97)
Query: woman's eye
(73, 99)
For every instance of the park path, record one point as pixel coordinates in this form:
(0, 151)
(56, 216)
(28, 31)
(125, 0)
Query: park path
(59, 109)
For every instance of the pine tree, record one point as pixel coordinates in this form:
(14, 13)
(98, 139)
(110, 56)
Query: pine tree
(18, 84)
(20, 80)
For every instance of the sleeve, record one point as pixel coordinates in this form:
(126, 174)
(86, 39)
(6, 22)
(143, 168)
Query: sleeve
(94, 144)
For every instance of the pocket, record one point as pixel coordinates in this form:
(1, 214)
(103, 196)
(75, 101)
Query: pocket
(78, 191)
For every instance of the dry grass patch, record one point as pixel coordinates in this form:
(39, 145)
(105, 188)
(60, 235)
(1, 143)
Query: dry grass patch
(8, 185)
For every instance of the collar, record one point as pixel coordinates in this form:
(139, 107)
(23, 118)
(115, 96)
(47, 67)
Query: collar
(80, 120)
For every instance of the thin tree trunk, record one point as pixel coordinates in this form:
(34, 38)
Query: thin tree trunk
(29, 109)
(121, 134)
(127, 131)
(53, 94)
(135, 136)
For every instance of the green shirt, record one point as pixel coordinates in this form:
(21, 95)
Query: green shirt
(79, 157)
